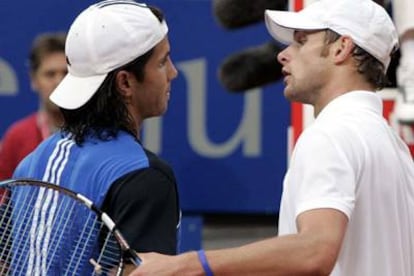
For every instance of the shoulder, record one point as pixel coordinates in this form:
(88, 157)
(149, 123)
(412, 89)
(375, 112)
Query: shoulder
(323, 144)
(122, 150)
(144, 185)
(159, 165)
(118, 157)
(23, 126)
(147, 179)
(124, 144)
(157, 178)
(126, 150)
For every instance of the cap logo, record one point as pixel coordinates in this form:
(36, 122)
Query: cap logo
(116, 2)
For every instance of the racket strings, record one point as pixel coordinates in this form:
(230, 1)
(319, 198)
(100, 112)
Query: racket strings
(43, 232)
(7, 227)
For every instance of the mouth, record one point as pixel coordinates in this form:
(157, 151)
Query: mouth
(286, 74)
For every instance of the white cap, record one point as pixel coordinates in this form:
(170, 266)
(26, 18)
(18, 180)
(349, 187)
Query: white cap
(366, 22)
(102, 38)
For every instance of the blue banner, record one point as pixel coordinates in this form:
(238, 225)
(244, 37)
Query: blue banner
(229, 151)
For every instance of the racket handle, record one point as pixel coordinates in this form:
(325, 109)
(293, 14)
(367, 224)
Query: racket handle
(134, 258)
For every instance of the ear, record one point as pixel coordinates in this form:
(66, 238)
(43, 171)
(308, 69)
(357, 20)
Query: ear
(123, 82)
(343, 48)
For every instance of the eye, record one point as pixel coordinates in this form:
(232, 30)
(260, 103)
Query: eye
(300, 37)
(49, 74)
(163, 61)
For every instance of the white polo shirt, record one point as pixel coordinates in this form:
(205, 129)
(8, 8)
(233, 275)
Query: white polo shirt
(350, 159)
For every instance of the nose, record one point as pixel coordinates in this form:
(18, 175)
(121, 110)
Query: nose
(173, 73)
(58, 76)
(282, 57)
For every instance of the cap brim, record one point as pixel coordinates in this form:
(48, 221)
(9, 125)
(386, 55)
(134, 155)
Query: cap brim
(282, 24)
(73, 92)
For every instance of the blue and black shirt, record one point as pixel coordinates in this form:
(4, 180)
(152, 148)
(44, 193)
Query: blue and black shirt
(132, 185)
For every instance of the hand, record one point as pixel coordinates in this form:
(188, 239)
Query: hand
(154, 264)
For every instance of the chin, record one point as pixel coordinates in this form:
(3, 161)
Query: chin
(164, 111)
(158, 113)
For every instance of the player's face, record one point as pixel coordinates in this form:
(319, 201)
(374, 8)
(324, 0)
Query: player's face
(305, 68)
(153, 93)
(51, 71)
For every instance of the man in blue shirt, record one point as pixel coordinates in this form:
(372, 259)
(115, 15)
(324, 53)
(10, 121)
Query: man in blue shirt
(119, 74)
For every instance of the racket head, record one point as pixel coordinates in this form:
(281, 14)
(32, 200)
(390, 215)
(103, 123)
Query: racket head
(48, 229)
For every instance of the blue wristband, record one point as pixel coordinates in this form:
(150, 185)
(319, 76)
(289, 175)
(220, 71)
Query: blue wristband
(203, 260)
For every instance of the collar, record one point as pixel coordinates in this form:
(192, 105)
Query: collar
(353, 101)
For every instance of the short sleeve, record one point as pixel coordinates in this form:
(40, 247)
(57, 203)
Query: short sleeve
(322, 174)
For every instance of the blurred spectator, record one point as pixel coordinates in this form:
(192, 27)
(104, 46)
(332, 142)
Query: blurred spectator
(47, 67)
(402, 15)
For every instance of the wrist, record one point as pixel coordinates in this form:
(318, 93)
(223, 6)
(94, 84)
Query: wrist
(188, 264)
(204, 263)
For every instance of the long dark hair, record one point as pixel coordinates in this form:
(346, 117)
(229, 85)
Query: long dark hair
(106, 113)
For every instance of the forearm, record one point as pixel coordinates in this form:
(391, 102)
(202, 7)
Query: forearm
(154, 264)
(285, 255)
(313, 251)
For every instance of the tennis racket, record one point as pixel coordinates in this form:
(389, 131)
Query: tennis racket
(46, 229)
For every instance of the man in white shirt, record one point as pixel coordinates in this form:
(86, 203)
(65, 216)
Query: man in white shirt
(347, 207)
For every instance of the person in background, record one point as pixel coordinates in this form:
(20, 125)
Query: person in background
(47, 67)
(347, 205)
(402, 15)
(119, 74)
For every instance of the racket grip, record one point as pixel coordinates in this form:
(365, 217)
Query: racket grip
(134, 258)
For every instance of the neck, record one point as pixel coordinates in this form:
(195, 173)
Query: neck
(136, 121)
(55, 118)
(340, 86)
